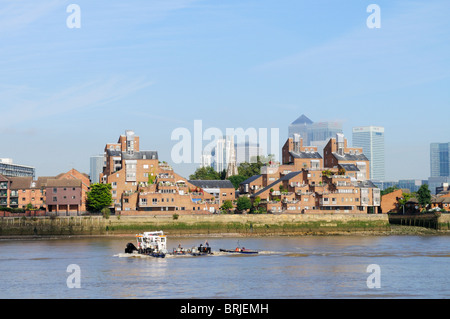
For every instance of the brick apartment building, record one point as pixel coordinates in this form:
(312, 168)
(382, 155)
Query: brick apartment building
(141, 183)
(307, 183)
(51, 193)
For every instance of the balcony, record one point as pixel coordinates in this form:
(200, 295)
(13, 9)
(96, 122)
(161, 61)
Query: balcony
(14, 194)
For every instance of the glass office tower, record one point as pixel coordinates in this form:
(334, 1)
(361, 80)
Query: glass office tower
(371, 140)
(439, 159)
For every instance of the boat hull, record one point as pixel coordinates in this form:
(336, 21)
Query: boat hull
(249, 252)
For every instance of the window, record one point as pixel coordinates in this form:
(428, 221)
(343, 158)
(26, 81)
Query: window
(73, 197)
(145, 166)
(55, 198)
(55, 190)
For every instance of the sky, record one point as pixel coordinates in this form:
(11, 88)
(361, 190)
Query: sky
(154, 66)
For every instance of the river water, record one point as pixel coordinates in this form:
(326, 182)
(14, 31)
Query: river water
(286, 268)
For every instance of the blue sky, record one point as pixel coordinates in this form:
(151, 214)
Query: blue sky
(155, 65)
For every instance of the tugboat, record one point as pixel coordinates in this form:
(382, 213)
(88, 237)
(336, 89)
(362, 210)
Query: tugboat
(149, 243)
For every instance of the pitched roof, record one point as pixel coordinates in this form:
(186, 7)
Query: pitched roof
(349, 167)
(63, 183)
(212, 183)
(365, 184)
(284, 178)
(305, 154)
(350, 157)
(21, 182)
(251, 179)
(302, 120)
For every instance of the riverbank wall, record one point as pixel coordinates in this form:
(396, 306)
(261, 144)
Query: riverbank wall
(245, 225)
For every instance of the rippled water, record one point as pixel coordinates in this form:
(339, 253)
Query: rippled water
(287, 267)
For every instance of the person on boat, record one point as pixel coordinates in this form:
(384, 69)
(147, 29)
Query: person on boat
(206, 243)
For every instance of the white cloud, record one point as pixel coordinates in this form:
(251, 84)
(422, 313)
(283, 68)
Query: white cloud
(21, 104)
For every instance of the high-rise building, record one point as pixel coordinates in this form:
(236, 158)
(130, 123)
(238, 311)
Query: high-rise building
(439, 159)
(220, 155)
(96, 168)
(9, 169)
(371, 140)
(247, 152)
(314, 133)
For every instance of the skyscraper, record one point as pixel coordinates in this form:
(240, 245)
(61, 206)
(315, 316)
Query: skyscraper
(439, 159)
(371, 140)
(220, 155)
(96, 168)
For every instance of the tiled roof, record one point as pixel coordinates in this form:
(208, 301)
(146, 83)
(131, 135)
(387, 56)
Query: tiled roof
(63, 183)
(350, 157)
(284, 178)
(349, 167)
(20, 182)
(305, 155)
(251, 179)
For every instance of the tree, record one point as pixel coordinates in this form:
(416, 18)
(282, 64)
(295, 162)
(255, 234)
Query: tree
(389, 190)
(402, 201)
(424, 196)
(255, 206)
(99, 197)
(243, 203)
(236, 180)
(226, 206)
(205, 173)
(250, 169)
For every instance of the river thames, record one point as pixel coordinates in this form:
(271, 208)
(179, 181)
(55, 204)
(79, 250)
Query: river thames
(337, 267)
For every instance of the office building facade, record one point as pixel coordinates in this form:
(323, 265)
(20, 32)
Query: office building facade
(9, 169)
(371, 140)
(439, 159)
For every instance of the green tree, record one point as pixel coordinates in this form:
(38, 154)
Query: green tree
(255, 205)
(226, 206)
(403, 200)
(243, 203)
(389, 190)
(99, 197)
(205, 173)
(250, 169)
(236, 180)
(424, 196)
